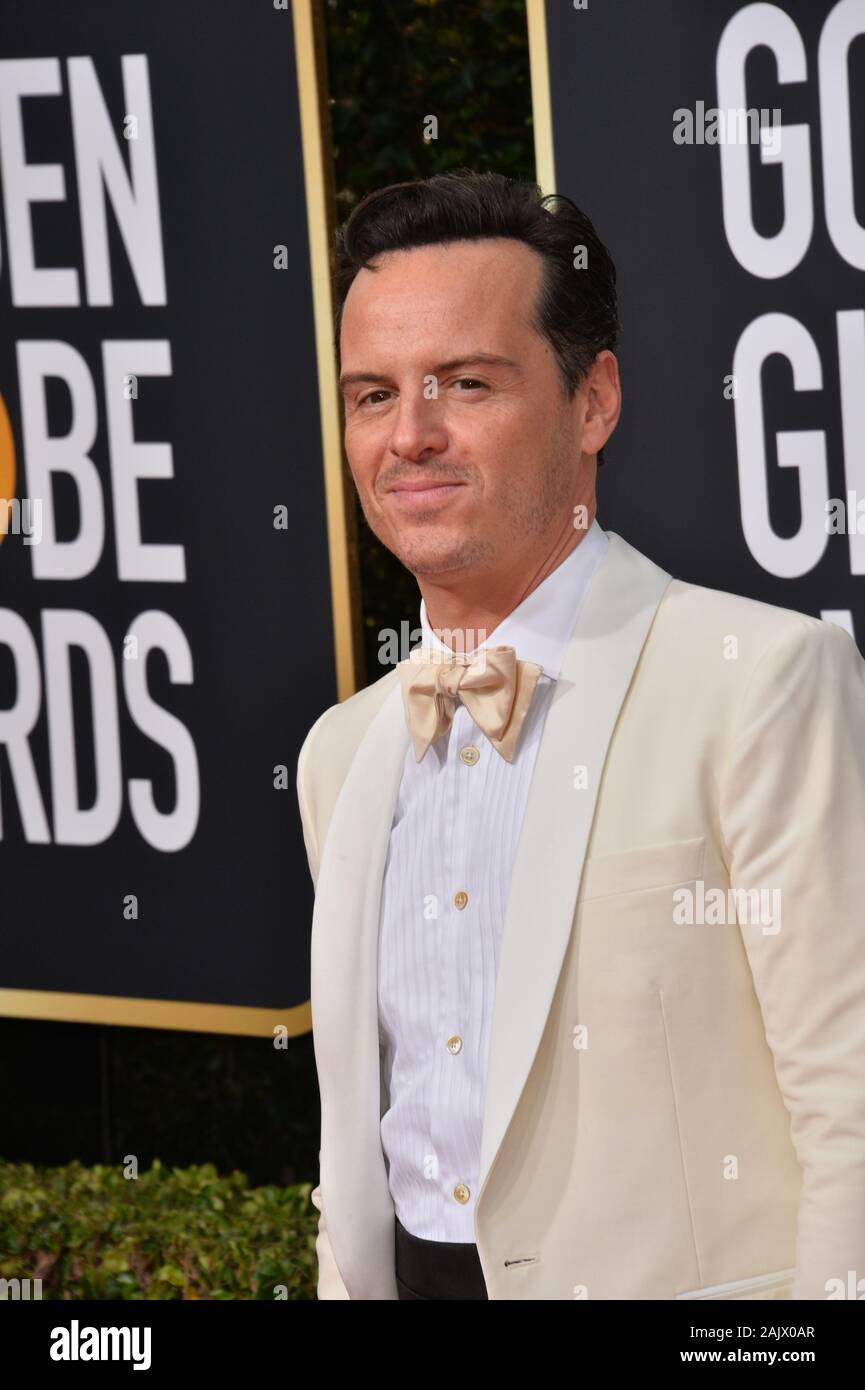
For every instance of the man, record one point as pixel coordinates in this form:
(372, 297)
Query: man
(588, 952)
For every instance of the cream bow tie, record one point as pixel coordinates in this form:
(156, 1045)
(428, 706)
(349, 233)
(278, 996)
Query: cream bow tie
(494, 686)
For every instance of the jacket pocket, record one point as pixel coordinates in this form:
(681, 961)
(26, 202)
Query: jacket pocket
(650, 866)
(758, 1286)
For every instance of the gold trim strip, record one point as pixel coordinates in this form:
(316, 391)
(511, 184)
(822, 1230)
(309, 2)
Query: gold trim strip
(328, 389)
(542, 112)
(153, 1013)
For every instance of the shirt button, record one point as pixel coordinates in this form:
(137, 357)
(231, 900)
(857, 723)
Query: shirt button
(454, 1044)
(469, 754)
(460, 900)
(461, 1192)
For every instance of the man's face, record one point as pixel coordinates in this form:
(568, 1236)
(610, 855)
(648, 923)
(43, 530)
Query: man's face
(494, 446)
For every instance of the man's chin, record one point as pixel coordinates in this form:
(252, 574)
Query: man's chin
(428, 560)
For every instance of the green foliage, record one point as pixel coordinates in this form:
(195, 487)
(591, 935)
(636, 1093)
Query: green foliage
(393, 63)
(171, 1233)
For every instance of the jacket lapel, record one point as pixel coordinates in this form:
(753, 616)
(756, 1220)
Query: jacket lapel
(344, 990)
(602, 653)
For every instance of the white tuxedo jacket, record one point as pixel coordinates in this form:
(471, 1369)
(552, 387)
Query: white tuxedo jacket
(673, 1110)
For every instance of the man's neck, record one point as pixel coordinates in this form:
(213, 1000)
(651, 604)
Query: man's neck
(466, 612)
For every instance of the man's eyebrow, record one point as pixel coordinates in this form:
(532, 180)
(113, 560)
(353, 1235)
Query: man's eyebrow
(474, 359)
(355, 378)
(490, 359)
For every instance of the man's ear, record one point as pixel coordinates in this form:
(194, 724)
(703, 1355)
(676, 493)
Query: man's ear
(605, 391)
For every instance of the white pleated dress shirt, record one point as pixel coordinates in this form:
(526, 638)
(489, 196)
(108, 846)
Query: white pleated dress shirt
(453, 841)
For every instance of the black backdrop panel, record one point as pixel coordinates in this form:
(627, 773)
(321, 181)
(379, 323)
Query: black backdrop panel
(758, 269)
(172, 752)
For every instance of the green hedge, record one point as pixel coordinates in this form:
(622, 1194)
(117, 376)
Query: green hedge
(170, 1233)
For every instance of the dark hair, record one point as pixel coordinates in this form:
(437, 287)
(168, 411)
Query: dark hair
(577, 313)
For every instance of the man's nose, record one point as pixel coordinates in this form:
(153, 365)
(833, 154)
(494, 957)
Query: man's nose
(418, 423)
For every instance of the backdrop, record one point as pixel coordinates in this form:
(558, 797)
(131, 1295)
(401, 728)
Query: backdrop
(166, 630)
(739, 461)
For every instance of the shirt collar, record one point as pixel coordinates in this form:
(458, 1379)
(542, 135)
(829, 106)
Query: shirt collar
(539, 627)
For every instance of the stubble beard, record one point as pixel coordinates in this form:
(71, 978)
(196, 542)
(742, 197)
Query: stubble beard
(529, 506)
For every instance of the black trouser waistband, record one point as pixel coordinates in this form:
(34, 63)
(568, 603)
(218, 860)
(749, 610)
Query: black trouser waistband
(437, 1268)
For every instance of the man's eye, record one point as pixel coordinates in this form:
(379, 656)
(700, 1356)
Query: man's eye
(473, 380)
(368, 397)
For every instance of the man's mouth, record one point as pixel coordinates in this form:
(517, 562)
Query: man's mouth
(423, 494)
